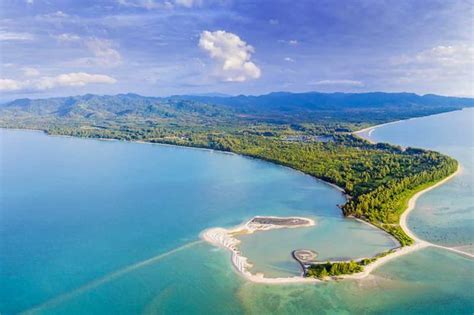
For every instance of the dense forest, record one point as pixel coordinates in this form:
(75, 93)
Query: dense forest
(310, 132)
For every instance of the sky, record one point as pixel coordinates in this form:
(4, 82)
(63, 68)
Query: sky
(167, 47)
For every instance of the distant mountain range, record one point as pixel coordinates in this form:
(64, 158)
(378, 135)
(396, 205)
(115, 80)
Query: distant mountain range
(331, 101)
(274, 108)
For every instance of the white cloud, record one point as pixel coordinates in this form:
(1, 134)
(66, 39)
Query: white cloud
(55, 17)
(29, 1)
(74, 79)
(232, 55)
(289, 59)
(446, 56)
(447, 69)
(273, 21)
(146, 4)
(57, 14)
(337, 82)
(103, 52)
(67, 37)
(9, 85)
(188, 3)
(105, 55)
(30, 72)
(160, 4)
(292, 42)
(13, 36)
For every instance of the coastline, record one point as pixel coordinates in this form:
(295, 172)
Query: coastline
(224, 238)
(219, 237)
(412, 204)
(418, 243)
(398, 252)
(369, 130)
(260, 278)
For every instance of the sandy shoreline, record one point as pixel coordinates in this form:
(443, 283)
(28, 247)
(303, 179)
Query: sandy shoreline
(418, 243)
(224, 238)
(369, 130)
(219, 237)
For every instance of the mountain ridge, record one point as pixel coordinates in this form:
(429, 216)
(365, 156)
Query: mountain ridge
(194, 110)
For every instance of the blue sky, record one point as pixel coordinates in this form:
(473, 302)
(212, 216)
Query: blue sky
(159, 47)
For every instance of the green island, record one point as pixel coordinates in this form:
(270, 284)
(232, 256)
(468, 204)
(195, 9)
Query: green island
(309, 132)
(323, 270)
(329, 269)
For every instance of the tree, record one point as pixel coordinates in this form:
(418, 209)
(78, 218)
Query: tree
(323, 274)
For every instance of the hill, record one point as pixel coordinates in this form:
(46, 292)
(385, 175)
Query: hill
(348, 109)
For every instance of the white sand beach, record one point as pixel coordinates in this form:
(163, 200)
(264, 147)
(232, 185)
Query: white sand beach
(225, 238)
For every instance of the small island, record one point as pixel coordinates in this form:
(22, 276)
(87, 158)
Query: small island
(226, 238)
(333, 269)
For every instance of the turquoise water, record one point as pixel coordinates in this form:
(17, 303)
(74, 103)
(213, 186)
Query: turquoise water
(75, 210)
(94, 227)
(444, 215)
(333, 238)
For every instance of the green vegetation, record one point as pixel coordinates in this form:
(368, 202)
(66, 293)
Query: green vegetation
(281, 128)
(329, 269)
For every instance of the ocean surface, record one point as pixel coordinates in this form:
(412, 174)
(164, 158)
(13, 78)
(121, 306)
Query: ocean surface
(107, 227)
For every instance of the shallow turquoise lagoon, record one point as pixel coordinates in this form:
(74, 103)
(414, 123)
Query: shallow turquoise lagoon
(332, 238)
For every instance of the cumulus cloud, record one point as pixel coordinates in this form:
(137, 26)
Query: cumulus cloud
(74, 79)
(232, 55)
(338, 82)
